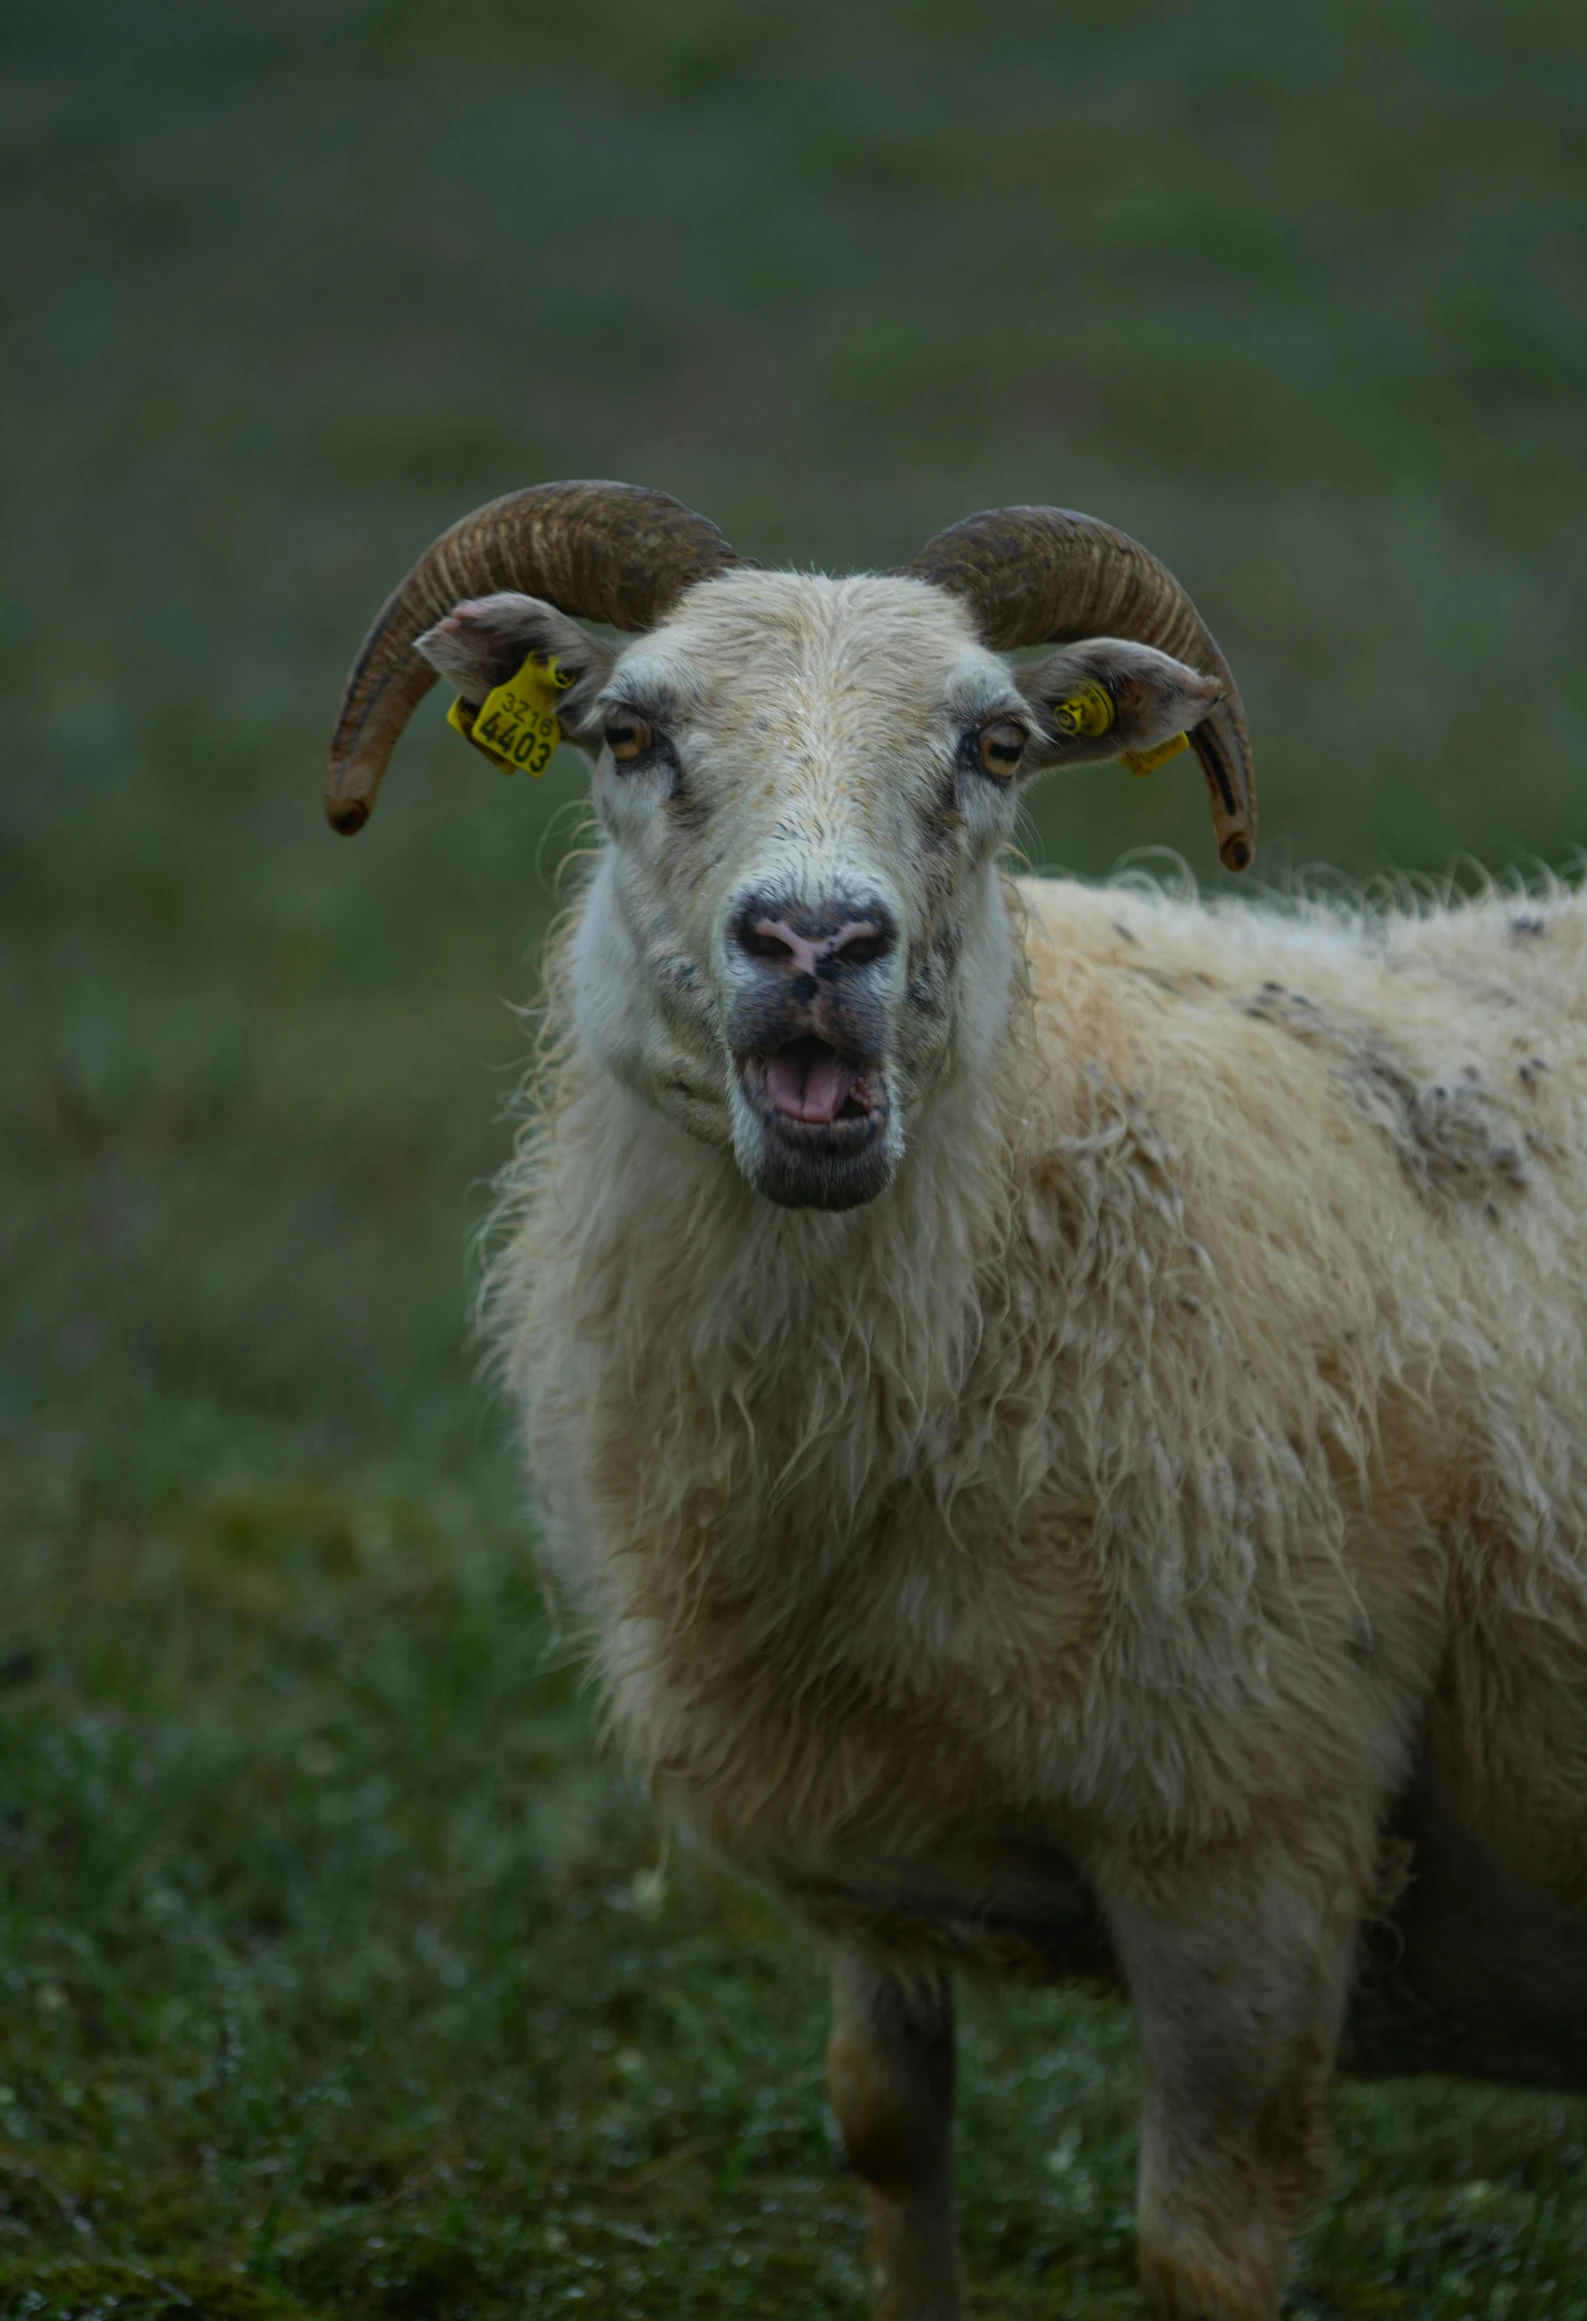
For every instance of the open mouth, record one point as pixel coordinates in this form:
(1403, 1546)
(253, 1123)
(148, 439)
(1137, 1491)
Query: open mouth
(808, 1085)
(822, 1135)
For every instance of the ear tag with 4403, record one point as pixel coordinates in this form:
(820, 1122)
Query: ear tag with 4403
(516, 725)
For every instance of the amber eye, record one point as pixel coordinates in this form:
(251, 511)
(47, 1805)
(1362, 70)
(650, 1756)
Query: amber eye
(1002, 747)
(627, 736)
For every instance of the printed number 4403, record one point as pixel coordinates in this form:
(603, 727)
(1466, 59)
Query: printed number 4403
(529, 743)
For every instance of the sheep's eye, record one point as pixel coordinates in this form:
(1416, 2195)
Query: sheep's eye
(1002, 746)
(627, 736)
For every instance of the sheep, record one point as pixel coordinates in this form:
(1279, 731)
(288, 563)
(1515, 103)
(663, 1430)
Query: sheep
(1061, 1408)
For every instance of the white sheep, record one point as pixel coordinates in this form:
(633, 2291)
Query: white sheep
(1064, 1409)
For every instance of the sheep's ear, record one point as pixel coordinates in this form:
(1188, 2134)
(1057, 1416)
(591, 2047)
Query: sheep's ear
(1108, 698)
(485, 640)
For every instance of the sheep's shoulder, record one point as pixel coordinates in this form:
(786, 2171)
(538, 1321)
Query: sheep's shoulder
(1435, 1061)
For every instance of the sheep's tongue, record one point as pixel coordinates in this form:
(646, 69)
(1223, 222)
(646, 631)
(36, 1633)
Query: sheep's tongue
(809, 1091)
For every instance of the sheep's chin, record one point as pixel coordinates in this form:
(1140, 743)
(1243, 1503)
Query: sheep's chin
(807, 1174)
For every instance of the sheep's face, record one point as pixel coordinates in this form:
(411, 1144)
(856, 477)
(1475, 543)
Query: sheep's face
(804, 785)
(795, 932)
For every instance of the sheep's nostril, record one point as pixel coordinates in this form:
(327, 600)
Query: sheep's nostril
(767, 940)
(862, 946)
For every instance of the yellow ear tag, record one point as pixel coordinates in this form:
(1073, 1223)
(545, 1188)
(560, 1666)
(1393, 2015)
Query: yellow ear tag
(1089, 711)
(1147, 761)
(516, 726)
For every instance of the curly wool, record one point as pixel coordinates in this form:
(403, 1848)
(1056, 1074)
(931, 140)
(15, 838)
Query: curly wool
(1195, 1422)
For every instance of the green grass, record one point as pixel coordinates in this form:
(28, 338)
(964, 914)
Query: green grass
(337, 1973)
(354, 1984)
(342, 1977)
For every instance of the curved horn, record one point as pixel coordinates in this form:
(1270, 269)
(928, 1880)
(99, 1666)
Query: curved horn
(601, 552)
(1049, 576)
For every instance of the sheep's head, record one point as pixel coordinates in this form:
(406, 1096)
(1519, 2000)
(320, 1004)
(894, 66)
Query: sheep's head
(804, 785)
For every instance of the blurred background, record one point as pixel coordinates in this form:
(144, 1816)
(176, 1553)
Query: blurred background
(340, 1971)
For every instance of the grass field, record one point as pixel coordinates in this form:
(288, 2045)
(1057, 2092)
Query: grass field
(341, 1974)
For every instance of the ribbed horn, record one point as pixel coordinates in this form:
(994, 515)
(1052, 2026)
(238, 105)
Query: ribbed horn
(1049, 576)
(598, 551)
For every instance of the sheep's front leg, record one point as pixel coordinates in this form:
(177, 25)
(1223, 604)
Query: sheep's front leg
(890, 2071)
(1238, 1982)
